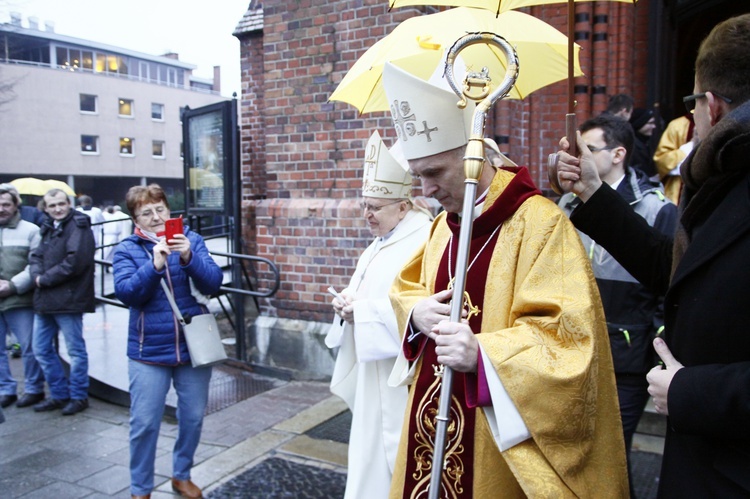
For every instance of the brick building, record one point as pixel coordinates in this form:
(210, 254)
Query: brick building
(301, 155)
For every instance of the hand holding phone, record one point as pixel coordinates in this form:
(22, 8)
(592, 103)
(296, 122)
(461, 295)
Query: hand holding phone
(336, 295)
(173, 226)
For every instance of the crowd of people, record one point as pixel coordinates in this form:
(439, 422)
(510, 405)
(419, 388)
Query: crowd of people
(565, 323)
(47, 284)
(632, 285)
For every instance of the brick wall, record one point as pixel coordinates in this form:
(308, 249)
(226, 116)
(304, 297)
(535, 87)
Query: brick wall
(301, 155)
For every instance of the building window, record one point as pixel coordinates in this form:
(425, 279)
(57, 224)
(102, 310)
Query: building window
(127, 146)
(89, 144)
(88, 103)
(157, 149)
(101, 60)
(126, 107)
(157, 112)
(88, 60)
(182, 112)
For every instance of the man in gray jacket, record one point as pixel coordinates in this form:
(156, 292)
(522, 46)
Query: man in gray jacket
(634, 314)
(62, 268)
(17, 239)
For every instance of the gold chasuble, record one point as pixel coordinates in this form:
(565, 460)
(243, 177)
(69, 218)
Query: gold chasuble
(541, 324)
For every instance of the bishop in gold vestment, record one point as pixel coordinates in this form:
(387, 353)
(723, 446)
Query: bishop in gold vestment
(543, 329)
(534, 407)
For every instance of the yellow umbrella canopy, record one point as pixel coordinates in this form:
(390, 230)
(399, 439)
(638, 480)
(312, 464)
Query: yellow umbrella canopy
(59, 184)
(418, 45)
(31, 186)
(496, 6)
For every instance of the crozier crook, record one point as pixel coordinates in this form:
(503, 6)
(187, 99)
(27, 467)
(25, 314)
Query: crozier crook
(473, 162)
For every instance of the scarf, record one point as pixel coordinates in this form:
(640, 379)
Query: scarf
(710, 172)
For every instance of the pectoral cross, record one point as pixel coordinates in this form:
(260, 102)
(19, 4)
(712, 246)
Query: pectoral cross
(468, 306)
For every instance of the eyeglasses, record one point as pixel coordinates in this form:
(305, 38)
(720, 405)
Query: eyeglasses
(375, 209)
(597, 149)
(160, 211)
(689, 101)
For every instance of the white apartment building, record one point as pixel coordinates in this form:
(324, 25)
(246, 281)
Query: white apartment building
(99, 117)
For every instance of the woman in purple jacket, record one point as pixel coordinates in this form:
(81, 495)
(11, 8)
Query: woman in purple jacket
(157, 352)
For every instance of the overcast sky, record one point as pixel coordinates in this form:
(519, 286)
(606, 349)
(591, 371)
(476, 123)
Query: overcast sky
(199, 31)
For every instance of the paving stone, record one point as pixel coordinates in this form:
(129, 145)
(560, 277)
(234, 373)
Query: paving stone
(40, 461)
(110, 481)
(102, 447)
(61, 490)
(76, 469)
(19, 483)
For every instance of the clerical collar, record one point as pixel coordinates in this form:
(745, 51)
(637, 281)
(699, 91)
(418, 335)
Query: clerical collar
(479, 203)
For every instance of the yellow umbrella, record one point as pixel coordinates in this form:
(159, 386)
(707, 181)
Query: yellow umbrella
(496, 6)
(59, 184)
(418, 45)
(499, 6)
(30, 186)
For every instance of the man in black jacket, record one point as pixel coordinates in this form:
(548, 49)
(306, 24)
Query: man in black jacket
(62, 268)
(704, 387)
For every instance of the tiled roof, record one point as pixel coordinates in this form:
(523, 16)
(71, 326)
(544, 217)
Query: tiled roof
(252, 20)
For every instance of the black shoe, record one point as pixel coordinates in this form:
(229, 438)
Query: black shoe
(75, 406)
(50, 405)
(6, 400)
(28, 399)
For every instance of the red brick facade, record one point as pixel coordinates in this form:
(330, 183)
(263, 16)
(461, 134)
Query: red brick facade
(301, 155)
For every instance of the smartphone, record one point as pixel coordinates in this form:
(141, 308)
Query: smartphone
(172, 226)
(336, 295)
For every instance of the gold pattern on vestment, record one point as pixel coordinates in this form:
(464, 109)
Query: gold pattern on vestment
(453, 467)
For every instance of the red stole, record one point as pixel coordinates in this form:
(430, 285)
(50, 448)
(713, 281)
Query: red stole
(457, 475)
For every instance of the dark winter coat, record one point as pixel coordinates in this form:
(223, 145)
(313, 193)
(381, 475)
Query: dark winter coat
(154, 334)
(64, 263)
(707, 312)
(633, 312)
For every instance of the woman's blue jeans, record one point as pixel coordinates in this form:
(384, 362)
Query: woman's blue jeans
(149, 384)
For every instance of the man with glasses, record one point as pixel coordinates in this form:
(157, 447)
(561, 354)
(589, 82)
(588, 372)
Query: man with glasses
(704, 384)
(62, 268)
(634, 314)
(365, 328)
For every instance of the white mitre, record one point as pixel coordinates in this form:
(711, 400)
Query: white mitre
(426, 117)
(385, 172)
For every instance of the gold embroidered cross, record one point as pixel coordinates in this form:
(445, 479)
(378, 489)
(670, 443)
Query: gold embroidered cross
(468, 306)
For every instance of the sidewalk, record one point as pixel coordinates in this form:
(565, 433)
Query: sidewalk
(262, 438)
(289, 441)
(47, 455)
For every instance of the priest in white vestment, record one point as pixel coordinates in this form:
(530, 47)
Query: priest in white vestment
(365, 328)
